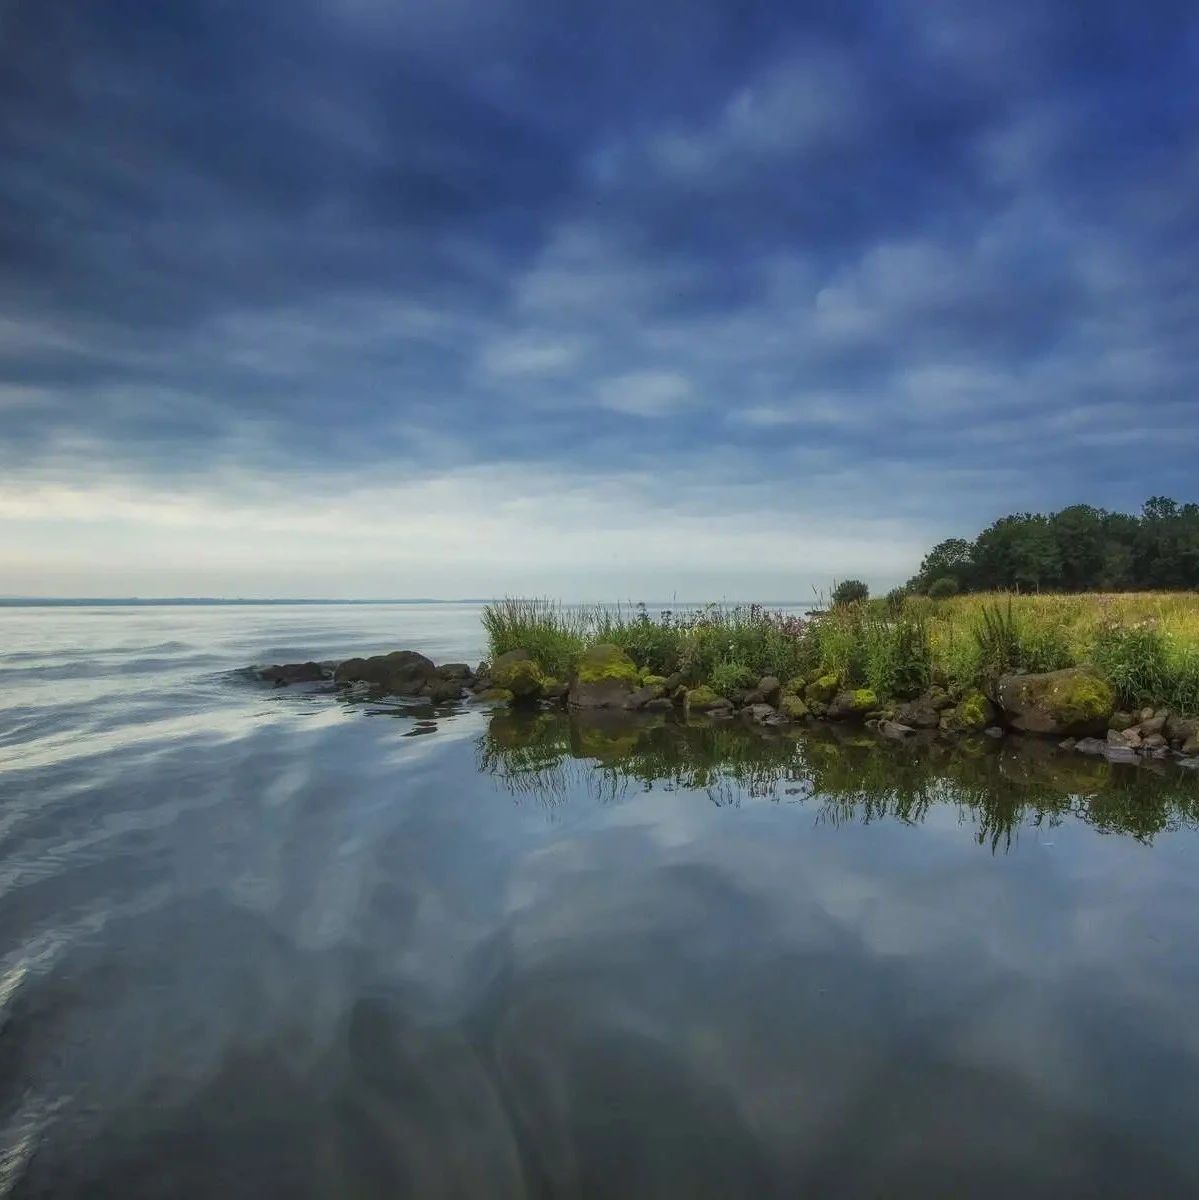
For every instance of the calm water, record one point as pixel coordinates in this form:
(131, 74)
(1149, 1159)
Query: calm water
(258, 943)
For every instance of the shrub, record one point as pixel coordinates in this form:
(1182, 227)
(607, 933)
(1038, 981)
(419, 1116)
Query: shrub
(943, 588)
(897, 656)
(850, 591)
(895, 600)
(997, 637)
(729, 677)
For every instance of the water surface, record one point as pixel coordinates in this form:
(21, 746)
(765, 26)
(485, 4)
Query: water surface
(259, 943)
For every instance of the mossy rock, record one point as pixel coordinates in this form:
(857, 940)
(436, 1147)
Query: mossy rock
(496, 695)
(793, 707)
(1073, 701)
(518, 673)
(704, 698)
(605, 678)
(852, 705)
(649, 679)
(822, 689)
(973, 713)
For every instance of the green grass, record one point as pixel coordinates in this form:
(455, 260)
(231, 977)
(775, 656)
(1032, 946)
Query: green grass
(1147, 644)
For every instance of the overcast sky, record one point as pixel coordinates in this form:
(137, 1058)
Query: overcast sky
(601, 300)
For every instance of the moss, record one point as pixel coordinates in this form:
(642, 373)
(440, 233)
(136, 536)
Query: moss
(650, 680)
(794, 687)
(704, 697)
(823, 688)
(497, 695)
(864, 700)
(793, 706)
(974, 712)
(607, 662)
(520, 676)
(1081, 699)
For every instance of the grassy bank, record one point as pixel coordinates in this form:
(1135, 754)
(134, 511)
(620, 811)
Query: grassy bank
(1147, 643)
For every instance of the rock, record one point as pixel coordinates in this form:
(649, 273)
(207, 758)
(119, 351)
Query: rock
(793, 707)
(1118, 754)
(895, 731)
(643, 695)
(1191, 745)
(918, 714)
(673, 682)
(1154, 725)
(496, 695)
(441, 690)
(283, 674)
(1189, 764)
(939, 699)
(1120, 721)
(1147, 714)
(605, 678)
(1181, 729)
(402, 672)
(769, 688)
(517, 673)
(704, 699)
(1068, 744)
(973, 713)
(994, 731)
(1154, 742)
(850, 705)
(662, 704)
(1075, 700)
(759, 712)
(1090, 745)
(454, 671)
(1130, 738)
(555, 689)
(822, 690)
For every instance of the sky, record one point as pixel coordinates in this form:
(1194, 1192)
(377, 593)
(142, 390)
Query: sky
(605, 300)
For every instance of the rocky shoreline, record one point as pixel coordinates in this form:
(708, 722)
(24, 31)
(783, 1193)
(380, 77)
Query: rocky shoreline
(1075, 706)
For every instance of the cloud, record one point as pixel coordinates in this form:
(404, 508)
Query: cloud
(923, 265)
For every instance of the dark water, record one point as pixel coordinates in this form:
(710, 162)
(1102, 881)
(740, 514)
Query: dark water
(258, 943)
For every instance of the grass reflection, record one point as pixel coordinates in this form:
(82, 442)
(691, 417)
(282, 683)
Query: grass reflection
(843, 776)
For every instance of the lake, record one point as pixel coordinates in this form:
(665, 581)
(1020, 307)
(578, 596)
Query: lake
(262, 943)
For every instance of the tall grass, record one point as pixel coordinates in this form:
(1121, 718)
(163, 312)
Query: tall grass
(1147, 643)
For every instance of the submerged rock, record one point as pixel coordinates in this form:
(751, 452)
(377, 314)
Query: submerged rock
(919, 714)
(1075, 700)
(605, 678)
(283, 674)
(971, 715)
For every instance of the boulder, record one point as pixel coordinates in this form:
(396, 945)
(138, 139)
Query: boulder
(972, 714)
(1191, 745)
(759, 712)
(643, 695)
(283, 674)
(919, 714)
(823, 689)
(605, 678)
(1090, 745)
(442, 690)
(496, 695)
(519, 674)
(402, 672)
(769, 689)
(1181, 729)
(1154, 742)
(1075, 700)
(895, 731)
(792, 707)
(852, 705)
(1130, 738)
(662, 704)
(1152, 726)
(1120, 721)
(454, 671)
(704, 699)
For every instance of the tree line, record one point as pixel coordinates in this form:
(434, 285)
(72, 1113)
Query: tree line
(1078, 549)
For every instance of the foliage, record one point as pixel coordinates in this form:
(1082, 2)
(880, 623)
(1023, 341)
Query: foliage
(1077, 549)
(729, 677)
(943, 587)
(850, 591)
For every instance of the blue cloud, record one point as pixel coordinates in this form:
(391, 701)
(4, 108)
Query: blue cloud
(935, 260)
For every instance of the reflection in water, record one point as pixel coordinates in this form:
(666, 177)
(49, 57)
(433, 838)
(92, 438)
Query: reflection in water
(846, 775)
